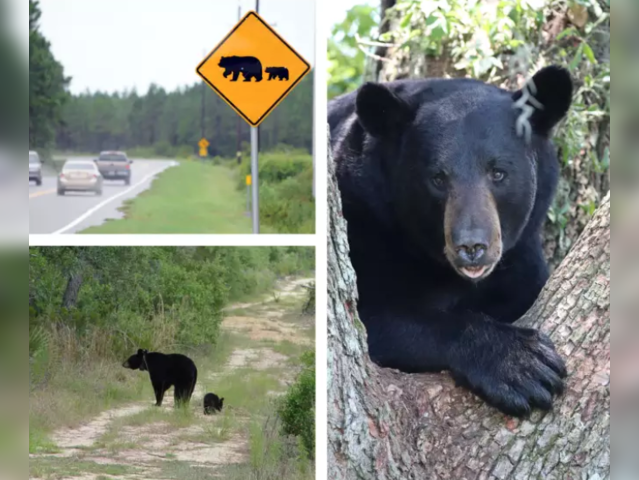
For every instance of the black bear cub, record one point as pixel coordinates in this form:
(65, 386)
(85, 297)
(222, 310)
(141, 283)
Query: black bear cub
(445, 187)
(166, 371)
(212, 403)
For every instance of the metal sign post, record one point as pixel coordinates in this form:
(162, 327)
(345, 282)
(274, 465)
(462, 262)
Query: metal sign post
(255, 210)
(255, 148)
(257, 96)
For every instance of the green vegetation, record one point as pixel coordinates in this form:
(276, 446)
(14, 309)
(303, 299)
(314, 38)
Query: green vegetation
(89, 308)
(167, 124)
(61, 468)
(502, 43)
(297, 410)
(347, 62)
(210, 196)
(193, 197)
(286, 190)
(47, 85)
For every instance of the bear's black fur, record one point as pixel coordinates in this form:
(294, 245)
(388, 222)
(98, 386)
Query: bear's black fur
(277, 72)
(250, 67)
(166, 371)
(445, 195)
(212, 403)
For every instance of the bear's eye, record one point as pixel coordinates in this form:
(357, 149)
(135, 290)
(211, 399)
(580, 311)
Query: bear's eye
(439, 180)
(497, 175)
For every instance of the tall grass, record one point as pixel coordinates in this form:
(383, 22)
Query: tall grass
(272, 455)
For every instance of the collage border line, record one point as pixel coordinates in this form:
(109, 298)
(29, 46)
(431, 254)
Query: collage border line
(318, 240)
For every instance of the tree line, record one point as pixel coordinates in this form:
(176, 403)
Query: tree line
(148, 296)
(167, 123)
(47, 85)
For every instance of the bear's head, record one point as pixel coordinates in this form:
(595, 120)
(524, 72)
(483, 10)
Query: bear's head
(136, 362)
(220, 403)
(462, 169)
(224, 61)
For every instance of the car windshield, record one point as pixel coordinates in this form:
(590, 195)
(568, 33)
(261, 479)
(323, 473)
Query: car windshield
(112, 157)
(33, 158)
(79, 166)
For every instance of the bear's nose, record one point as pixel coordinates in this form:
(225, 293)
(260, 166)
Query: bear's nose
(471, 253)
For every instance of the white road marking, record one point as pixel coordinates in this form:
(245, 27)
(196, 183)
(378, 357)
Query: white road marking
(109, 200)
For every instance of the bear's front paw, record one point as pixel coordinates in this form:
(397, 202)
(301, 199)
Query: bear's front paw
(513, 369)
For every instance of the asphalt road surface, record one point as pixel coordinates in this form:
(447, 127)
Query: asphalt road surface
(76, 211)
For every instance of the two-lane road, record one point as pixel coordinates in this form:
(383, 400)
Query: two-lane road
(76, 211)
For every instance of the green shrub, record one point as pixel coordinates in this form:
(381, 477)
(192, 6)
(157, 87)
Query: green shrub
(297, 410)
(153, 297)
(289, 205)
(286, 188)
(275, 167)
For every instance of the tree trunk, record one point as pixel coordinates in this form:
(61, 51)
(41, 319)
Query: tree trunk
(383, 424)
(384, 27)
(72, 291)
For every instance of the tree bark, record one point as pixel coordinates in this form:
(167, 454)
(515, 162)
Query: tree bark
(70, 297)
(384, 27)
(383, 424)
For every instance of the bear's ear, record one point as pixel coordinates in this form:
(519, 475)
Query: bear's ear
(551, 92)
(140, 352)
(380, 111)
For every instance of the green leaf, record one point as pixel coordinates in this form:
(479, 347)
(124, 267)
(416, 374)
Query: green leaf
(589, 53)
(577, 59)
(406, 20)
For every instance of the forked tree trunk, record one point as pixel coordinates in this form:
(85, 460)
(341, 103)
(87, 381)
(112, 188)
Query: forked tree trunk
(383, 424)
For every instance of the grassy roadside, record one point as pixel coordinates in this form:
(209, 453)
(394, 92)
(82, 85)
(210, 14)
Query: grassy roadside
(190, 198)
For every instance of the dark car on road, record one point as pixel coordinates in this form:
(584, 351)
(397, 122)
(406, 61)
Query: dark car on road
(114, 166)
(35, 168)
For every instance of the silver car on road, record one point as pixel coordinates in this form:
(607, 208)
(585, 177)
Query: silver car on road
(80, 176)
(35, 168)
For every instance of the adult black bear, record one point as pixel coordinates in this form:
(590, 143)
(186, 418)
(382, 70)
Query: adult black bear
(166, 371)
(250, 67)
(445, 198)
(277, 72)
(212, 403)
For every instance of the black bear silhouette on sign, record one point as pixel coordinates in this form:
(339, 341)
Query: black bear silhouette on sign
(277, 72)
(250, 67)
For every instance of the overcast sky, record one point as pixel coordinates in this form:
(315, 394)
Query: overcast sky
(112, 45)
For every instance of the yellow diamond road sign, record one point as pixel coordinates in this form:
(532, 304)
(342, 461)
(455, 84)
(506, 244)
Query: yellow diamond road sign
(253, 69)
(203, 144)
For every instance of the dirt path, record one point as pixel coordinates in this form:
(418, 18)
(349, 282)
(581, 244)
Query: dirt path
(139, 441)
